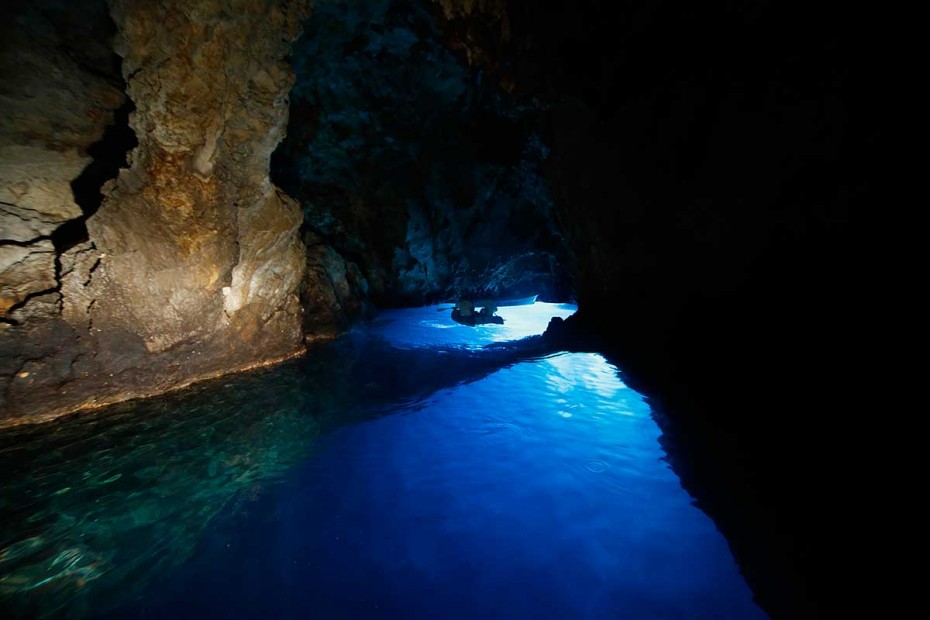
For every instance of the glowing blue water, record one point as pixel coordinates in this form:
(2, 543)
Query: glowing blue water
(437, 481)
(432, 326)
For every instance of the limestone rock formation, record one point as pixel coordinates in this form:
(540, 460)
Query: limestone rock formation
(334, 291)
(60, 84)
(192, 264)
(25, 271)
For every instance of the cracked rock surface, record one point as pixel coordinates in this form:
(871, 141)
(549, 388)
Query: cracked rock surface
(60, 84)
(191, 266)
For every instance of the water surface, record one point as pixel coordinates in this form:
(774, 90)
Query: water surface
(417, 468)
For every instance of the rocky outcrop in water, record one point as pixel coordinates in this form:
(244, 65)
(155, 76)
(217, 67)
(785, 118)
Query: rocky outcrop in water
(191, 266)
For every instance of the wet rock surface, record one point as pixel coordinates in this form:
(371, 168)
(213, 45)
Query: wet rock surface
(191, 266)
(334, 291)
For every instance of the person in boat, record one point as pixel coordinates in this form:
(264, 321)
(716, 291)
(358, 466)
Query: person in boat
(464, 313)
(488, 311)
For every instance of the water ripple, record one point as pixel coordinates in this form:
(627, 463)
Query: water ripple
(597, 467)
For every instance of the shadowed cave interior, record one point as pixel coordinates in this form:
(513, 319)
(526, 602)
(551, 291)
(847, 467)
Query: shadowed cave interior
(193, 189)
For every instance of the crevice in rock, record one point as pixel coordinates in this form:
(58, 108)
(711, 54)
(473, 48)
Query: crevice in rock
(9, 320)
(69, 235)
(23, 244)
(90, 307)
(90, 273)
(110, 154)
(13, 209)
(58, 279)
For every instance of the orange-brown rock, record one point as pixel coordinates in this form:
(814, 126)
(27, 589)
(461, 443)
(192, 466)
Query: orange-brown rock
(193, 260)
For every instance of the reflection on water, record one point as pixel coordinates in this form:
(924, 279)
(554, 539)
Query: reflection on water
(91, 508)
(515, 482)
(432, 326)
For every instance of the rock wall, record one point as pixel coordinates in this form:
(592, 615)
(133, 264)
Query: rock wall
(423, 176)
(59, 86)
(191, 266)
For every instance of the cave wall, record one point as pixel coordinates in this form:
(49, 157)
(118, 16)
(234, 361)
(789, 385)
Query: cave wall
(191, 266)
(706, 166)
(60, 86)
(713, 166)
(418, 177)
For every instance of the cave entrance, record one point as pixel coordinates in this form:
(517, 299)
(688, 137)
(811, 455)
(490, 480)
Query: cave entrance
(422, 179)
(432, 326)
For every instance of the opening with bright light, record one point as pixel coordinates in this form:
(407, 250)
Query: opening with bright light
(432, 326)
